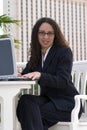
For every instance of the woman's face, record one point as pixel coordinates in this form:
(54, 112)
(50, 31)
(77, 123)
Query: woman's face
(46, 35)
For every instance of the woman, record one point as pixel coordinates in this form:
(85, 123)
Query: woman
(50, 63)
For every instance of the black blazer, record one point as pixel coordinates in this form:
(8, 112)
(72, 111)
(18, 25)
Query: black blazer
(56, 80)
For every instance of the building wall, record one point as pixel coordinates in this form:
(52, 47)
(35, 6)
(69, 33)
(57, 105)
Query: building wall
(70, 15)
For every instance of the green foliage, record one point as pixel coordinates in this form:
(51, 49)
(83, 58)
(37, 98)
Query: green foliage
(5, 36)
(36, 86)
(4, 22)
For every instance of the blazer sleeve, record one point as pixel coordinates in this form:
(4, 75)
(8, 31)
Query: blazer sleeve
(26, 69)
(63, 72)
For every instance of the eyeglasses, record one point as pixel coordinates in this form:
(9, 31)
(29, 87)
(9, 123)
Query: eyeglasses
(49, 34)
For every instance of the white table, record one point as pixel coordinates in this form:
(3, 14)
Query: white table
(8, 94)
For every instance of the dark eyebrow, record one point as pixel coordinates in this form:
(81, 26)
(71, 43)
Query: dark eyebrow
(46, 32)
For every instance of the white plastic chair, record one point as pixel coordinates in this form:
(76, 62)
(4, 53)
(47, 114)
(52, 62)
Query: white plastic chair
(79, 74)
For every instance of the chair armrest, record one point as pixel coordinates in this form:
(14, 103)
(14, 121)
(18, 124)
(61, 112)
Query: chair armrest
(75, 111)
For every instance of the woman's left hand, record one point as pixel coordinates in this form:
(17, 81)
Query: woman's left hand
(32, 75)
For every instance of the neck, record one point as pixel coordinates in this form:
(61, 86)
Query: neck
(44, 51)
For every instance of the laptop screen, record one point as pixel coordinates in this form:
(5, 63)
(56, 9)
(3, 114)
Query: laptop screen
(7, 58)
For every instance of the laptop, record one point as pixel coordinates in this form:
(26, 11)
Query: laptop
(8, 69)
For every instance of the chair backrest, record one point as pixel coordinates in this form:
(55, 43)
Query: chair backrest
(79, 76)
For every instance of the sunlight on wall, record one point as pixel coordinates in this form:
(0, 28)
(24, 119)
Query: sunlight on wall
(1, 12)
(1, 7)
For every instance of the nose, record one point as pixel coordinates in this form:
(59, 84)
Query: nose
(46, 35)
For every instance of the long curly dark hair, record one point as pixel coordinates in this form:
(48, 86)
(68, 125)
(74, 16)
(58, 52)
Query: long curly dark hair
(35, 47)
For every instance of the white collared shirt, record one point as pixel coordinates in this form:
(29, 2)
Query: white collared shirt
(44, 56)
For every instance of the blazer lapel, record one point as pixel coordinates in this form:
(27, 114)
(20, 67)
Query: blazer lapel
(49, 57)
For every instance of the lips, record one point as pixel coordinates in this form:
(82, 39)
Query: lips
(45, 42)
